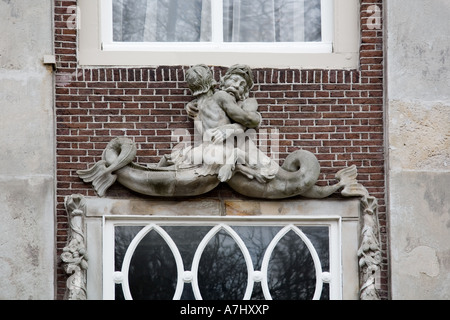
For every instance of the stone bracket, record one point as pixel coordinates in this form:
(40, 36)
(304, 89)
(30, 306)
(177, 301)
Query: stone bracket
(74, 255)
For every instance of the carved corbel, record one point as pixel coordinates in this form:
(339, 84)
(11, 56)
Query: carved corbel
(369, 252)
(74, 255)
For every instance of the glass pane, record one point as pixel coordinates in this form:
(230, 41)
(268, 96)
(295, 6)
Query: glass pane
(313, 21)
(222, 268)
(291, 272)
(161, 20)
(222, 273)
(257, 239)
(123, 237)
(152, 273)
(320, 238)
(271, 20)
(187, 240)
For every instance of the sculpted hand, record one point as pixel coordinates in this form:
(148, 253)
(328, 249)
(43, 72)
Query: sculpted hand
(219, 135)
(192, 109)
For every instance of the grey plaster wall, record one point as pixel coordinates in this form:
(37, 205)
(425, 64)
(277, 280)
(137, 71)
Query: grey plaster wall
(27, 157)
(418, 140)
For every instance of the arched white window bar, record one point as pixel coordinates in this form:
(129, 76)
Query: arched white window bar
(333, 276)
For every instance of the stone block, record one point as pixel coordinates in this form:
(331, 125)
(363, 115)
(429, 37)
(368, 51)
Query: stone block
(419, 136)
(420, 235)
(26, 238)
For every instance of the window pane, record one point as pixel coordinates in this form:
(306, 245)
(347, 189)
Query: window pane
(123, 237)
(320, 238)
(291, 270)
(152, 273)
(243, 20)
(271, 20)
(222, 270)
(161, 20)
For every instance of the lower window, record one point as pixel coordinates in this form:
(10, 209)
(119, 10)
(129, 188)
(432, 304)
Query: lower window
(222, 258)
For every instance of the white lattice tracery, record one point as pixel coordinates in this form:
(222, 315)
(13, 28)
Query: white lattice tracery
(191, 276)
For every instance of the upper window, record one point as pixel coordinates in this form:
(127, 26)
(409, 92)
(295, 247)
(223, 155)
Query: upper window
(219, 21)
(260, 33)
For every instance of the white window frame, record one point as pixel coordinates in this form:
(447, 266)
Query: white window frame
(338, 49)
(217, 44)
(111, 277)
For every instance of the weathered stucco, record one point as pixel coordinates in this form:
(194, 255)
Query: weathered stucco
(419, 138)
(27, 139)
(418, 133)
(26, 237)
(420, 232)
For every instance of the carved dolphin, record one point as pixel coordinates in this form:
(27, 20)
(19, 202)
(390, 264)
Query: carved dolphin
(297, 176)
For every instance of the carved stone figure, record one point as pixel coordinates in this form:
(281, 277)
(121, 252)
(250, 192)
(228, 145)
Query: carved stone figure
(74, 255)
(220, 116)
(369, 252)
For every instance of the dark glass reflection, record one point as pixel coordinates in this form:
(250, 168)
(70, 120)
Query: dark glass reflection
(222, 269)
(187, 239)
(257, 239)
(320, 238)
(123, 235)
(222, 272)
(291, 273)
(153, 271)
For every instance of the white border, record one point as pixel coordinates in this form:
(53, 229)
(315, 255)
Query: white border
(217, 45)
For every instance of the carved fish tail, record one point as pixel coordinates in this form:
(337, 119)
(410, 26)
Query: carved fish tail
(99, 175)
(118, 153)
(347, 179)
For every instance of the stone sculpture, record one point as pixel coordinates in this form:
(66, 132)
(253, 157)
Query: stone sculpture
(74, 255)
(224, 155)
(223, 118)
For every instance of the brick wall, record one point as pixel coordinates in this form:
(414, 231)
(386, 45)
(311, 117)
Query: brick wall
(336, 114)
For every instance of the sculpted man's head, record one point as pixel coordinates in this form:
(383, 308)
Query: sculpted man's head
(200, 79)
(238, 75)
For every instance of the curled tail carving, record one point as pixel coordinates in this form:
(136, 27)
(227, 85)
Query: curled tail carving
(347, 181)
(118, 153)
(297, 176)
(100, 176)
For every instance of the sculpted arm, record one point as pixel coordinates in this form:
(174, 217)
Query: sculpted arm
(247, 116)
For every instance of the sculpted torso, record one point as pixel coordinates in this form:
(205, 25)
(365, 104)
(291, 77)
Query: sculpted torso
(210, 113)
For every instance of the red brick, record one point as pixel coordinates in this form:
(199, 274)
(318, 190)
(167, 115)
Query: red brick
(336, 114)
